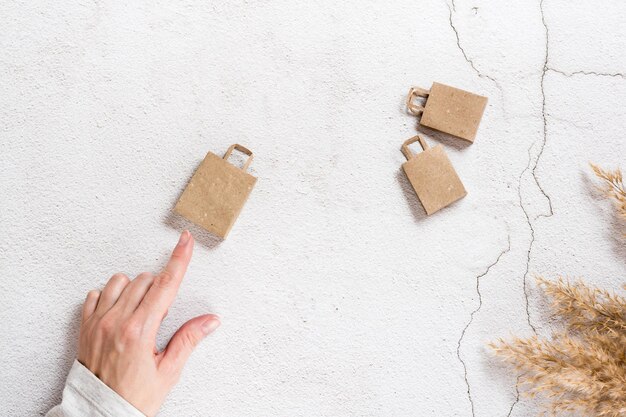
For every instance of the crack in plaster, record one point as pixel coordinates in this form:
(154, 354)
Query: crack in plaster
(470, 61)
(543, 112)
(544, 71)
(480, 304)
(516, 397)
(582, 125)
(530, 245)
(452, 10)
(533, 170)
(584, 72)
(458, 44)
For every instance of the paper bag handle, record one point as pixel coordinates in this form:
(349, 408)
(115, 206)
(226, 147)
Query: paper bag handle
(241, 149)
(415, 92)
(405, 146)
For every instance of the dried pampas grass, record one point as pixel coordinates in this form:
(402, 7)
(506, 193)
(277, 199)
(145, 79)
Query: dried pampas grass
(582, 369)
(614, 186)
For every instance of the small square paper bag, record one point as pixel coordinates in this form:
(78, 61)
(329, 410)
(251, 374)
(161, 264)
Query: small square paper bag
(217, 192)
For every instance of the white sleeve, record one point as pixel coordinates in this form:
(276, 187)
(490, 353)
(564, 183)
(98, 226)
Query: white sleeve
(86, 396)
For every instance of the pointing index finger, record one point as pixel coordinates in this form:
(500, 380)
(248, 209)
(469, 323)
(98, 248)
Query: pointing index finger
(165, 287)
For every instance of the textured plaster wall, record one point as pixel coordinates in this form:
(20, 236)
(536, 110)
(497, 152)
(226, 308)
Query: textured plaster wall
(339, 297)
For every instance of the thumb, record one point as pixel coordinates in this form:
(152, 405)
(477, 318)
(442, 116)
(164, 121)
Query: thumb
(186, 339)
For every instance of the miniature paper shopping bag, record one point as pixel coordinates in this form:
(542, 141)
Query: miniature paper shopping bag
(432, 176)
(217, 192)
(448, 109)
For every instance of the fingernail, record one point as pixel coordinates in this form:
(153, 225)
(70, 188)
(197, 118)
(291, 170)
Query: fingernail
(210, 325)
(184, 238)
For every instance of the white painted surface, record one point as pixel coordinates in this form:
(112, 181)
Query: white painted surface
(338, 296)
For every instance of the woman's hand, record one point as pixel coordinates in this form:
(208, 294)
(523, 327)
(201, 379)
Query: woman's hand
(119, 328)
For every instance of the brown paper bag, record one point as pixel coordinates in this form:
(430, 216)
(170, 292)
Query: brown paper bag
(432, 176)
(217, 192)
(448, 109)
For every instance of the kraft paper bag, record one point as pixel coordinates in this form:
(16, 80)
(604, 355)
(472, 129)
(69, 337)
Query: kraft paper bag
(432, 176)
(448, 109)
(217, 192)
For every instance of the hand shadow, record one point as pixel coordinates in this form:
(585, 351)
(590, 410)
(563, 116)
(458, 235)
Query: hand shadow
(66, 359)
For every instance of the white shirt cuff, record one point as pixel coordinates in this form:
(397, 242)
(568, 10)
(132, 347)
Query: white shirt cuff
(86, 396)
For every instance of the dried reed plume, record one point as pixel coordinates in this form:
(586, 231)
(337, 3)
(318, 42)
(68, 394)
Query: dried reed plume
(581, 369)
(614, 186)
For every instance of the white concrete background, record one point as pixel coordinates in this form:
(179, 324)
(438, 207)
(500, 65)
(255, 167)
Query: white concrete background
(339, 297)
